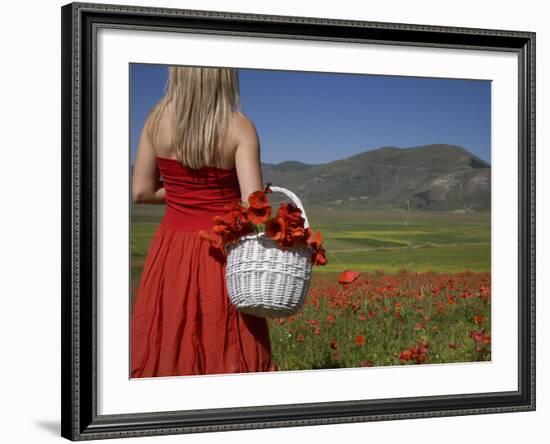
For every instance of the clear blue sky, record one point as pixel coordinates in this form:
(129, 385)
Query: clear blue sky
(319, 117)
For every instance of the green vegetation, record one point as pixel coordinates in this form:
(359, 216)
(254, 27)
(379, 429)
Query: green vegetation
(391, 240)
(368, 240)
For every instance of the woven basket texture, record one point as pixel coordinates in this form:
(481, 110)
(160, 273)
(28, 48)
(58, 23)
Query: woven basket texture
(264, 279)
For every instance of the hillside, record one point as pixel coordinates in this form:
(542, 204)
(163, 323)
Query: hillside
(430, 177)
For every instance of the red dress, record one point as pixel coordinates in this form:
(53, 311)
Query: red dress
(182, 321)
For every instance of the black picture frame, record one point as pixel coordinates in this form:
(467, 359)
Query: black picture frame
(79, 418)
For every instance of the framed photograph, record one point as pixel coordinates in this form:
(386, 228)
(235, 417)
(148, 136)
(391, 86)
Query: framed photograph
(274, 221)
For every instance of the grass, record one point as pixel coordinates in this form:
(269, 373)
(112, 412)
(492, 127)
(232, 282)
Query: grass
(376, 239)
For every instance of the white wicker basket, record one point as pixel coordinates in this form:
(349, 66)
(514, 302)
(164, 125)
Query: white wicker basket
(264, 279)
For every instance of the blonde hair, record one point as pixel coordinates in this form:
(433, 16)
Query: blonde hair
(203, 101)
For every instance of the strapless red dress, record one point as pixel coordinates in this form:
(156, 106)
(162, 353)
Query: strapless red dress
(183, 322)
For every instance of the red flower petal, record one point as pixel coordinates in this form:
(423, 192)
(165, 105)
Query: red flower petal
(319, 257)
(275, 228)
(348, 276)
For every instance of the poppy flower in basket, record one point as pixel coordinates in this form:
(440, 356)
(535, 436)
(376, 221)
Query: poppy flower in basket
(269, 254)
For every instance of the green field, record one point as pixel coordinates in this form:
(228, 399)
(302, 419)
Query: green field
(391, 240)
(368, 240)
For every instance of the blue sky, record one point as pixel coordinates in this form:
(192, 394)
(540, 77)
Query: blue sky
(319, 117)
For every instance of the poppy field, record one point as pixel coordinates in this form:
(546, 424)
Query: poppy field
(399, 288)
(387, 319)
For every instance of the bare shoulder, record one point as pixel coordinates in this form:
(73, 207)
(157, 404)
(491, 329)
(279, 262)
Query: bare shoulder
(244, 129)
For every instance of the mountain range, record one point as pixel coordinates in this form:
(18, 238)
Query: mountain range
(429, 177)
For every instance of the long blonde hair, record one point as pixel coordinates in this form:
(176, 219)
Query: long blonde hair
(203, 101)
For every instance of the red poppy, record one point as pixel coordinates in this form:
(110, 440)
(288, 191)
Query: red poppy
(286, 228)
(484, 291)
(333, 344)
(360, 340)
(292, 214)
(418, 353)
(319, 257)
(297, 233)
(216, 239)
(423, 347)
(229, 226)
(224, 219)
(313, 238)
(348, 276)
(275, 228)
(221, 229)
(476, 335)
(480, 336)
(259, 209)
(287, 239)
(232, 224)
(479, 319)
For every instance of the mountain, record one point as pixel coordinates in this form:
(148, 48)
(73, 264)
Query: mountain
(430, 177)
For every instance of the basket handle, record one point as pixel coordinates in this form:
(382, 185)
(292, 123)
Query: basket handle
(294, 199)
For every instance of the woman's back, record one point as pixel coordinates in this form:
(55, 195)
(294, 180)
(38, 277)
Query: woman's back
(194, 197)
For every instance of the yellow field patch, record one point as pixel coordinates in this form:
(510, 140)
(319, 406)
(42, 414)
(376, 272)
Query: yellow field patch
(379, 234)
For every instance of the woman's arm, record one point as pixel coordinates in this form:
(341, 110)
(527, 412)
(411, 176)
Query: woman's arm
(146, 186)
(247, 158)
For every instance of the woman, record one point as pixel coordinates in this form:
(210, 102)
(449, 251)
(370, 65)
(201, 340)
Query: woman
(208, 155)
